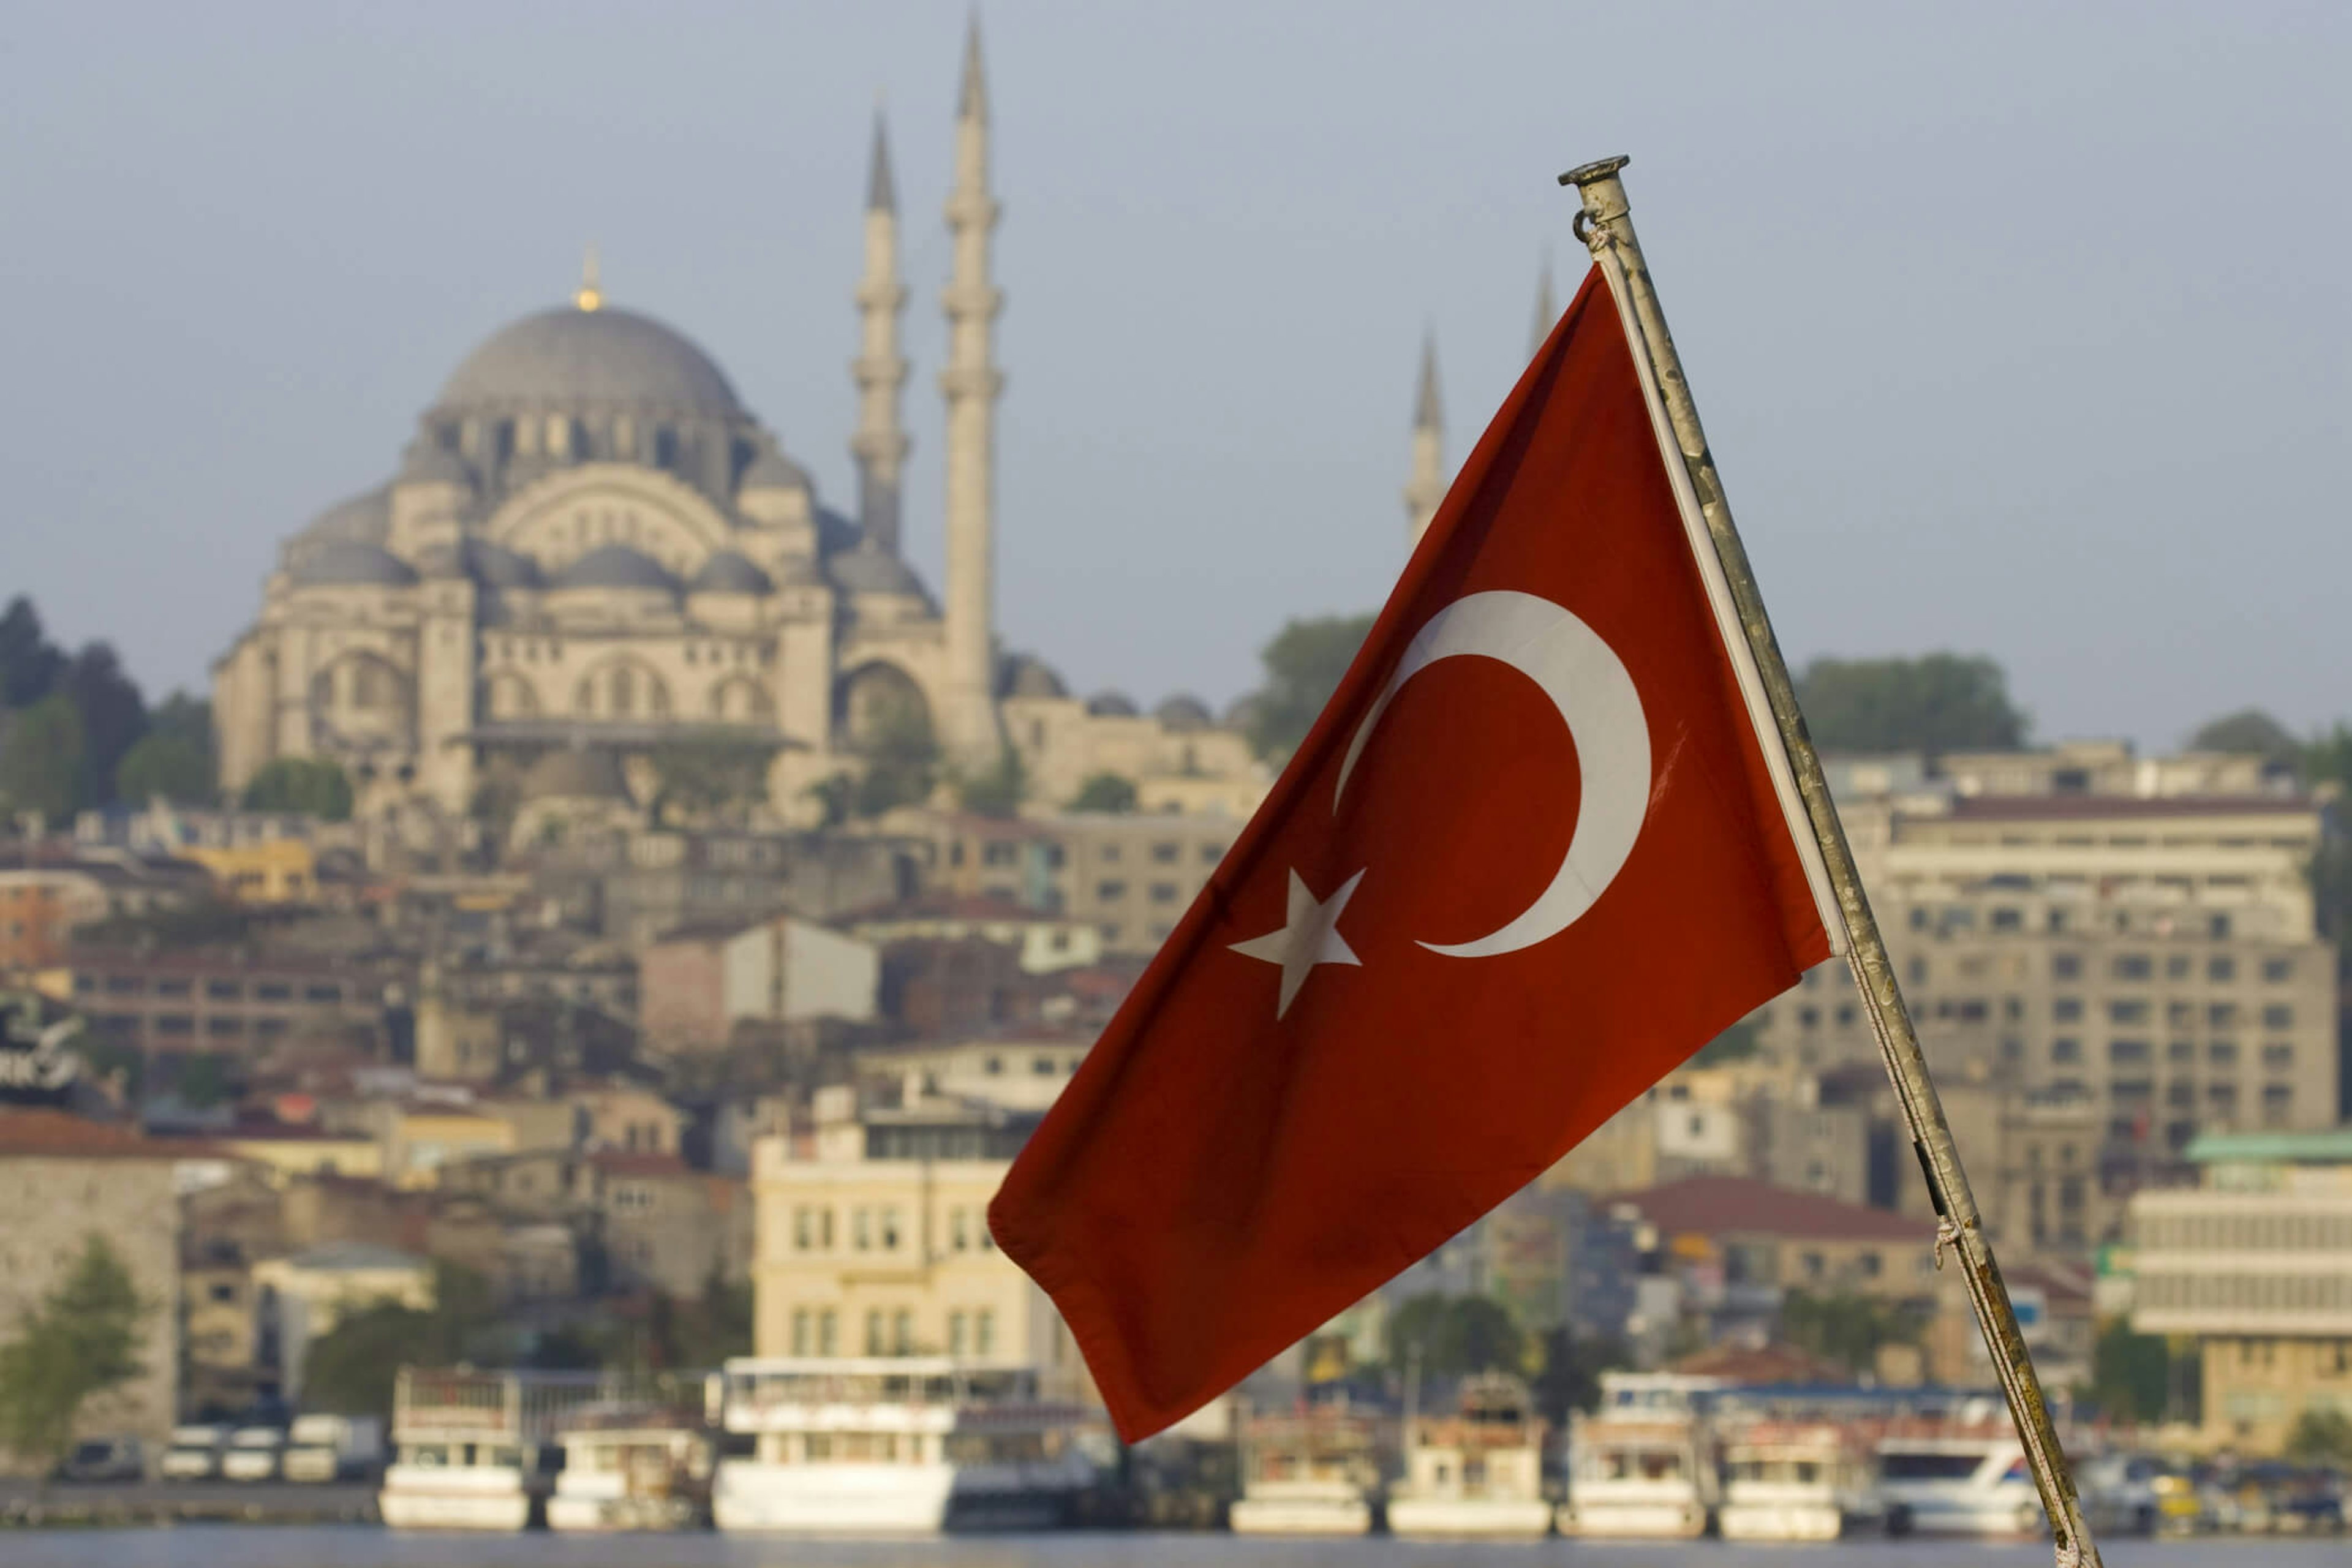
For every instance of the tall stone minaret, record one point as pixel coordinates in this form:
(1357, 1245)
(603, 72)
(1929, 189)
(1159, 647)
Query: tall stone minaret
(972, 385)
(881, 443)
(1426, 488)
(1547, 309)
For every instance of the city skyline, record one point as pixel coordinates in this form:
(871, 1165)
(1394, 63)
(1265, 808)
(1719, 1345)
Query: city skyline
(260, 314)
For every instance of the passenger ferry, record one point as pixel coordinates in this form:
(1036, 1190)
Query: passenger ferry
(1478, 1472)
(632, 1466)
(1315, 1471)
(903, 1445)
(476, 1450)
(1799, 1480)
(1644, 1464)
(1962, 1475)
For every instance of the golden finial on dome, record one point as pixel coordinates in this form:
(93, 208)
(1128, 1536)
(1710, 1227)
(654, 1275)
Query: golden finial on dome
(589, 297)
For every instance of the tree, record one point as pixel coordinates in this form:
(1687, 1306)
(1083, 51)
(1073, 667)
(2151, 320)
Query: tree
(1939, 702)
(80, 1341)
(1105, 792)
(41, 758)
(349, 1370)
(1736, 1044)
(1571, 1378)
(167, 767)
(2248, 730)
(902, 759)
(2320, 1437)
(2328, 758)
(314, 786)
(2130, 1373)
(997, 790)
(708, 773)
(1455, 1335)
(113, 716)
(29, 663)
(1303, 667)
(1846, 1328)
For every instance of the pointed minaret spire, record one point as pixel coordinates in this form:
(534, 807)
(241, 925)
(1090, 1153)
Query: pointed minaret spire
(1427, 486)
(590, 295)
(972, 385)
(1547, 308)
(880, 370)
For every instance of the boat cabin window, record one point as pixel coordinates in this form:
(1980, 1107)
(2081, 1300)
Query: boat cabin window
(1917, 1466)
(426, 1456)
(1644, 1464)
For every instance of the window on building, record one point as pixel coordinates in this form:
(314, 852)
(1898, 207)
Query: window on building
(1166, 853)
(902, 1333)
(828, 1332)
(889, 1224)
(959, 1229)
(174, 987)
(1212, 853)
(2278, 1104)
(2127, 1010)
(803, 1343)
(803, 1234)
(2128, 1052)
(2221, 1053)
(875, 1343)
(1163, 892)
(2278, 971)
(2066, 1049)
(2278, 1017)
(1000, 852)
(2180, 1052)
(861, 1229)
(959, 1333)
(223, 990)
(2133, 966)
(2278, 1056)
(1107, 854)
(224, 1027)
(2005, 918)
(1871, 1264)
(2222, 969)
(2223, 1014)
(1917, 970)
(2065, 966)
(2066, 1009)
(176, 1024)
(1110, 892)
(983, 1331)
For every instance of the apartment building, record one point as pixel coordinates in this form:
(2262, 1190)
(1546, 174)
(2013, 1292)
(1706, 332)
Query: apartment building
(1129, 875)
(2254, 1263)
(872, 1239)
(2155, 955)
(208, 1000)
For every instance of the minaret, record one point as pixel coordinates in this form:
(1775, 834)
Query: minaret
(1426, 488)
(881, 443)
(1547, 309)
(972, 385)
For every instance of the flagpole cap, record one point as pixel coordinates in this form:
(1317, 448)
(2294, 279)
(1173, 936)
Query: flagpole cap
(1599, 169)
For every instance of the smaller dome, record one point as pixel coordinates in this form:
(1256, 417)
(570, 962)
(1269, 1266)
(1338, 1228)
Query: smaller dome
(798, 571)
(1183, 712)
(428, 462)
(1026, 675)
(615, 566)
(496, 566)
(1111, 705)
(728, 573)
(351, 563)
(366, 519)
(772, 470)
(1242, 712)
(575, 773)
(866, 570)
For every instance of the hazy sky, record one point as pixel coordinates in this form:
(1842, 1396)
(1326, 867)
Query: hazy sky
(2019, 329)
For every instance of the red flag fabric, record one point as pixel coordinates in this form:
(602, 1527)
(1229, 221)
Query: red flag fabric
(1531, 856)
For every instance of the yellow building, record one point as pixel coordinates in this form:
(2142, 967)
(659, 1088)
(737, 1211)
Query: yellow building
(303, 1297)
(874, 1240)
(418, 1140)
(288, 1152)
(268, 872)
(2255, 1264)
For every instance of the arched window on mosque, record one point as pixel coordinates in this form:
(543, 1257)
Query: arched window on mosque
(367, 685)
(665, 447)
(559, 436)
(624, 691)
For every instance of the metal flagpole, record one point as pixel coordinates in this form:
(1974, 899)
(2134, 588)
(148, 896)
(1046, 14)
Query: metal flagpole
(1607, 228)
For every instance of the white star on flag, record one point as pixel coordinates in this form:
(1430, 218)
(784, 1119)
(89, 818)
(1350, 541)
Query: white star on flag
(1309, 936)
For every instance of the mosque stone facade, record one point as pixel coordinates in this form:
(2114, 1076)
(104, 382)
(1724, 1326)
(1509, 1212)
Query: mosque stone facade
(591, 547)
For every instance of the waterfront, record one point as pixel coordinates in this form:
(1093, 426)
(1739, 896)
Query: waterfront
(365, 1547)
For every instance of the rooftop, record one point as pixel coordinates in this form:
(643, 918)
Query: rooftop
(34, 1133)
(1742, 1205)
(2091, 808)
(2329, 1147)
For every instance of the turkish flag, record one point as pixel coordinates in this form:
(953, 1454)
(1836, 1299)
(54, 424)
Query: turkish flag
(1531, 856)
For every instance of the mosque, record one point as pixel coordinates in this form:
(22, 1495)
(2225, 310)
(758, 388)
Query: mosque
(591, 547)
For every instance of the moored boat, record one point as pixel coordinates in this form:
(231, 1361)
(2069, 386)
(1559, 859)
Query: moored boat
(1314, 1471)
(630, 1466)
(1643, 1465)
(1477, 1473)
(1799, 1480)
(903, 1446)
(1961, 1475)
(475, 1451)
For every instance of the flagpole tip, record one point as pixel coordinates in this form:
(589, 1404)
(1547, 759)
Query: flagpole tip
(1600, 169)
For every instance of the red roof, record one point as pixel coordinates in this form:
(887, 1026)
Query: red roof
(35, 1132)
(1767, 1364)
(1743, 1207)
(622, 1162)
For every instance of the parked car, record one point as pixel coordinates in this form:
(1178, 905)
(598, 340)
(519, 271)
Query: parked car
(2118, 1492)
(253, 1454)
(325, 1448)
(104, 1461)
(195, 1454)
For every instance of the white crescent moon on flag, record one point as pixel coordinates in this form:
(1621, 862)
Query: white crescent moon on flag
(1588, 683)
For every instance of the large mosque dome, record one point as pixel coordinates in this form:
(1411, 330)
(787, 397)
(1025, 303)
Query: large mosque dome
(575, 357)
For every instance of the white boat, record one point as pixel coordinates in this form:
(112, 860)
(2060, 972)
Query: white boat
(1477, 1473)
(1799, 1480)
(631, 1467)
(895, 1445)
(1643, 1465)
(1964, 1476)
(1312, 1472)
(475, 1451)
